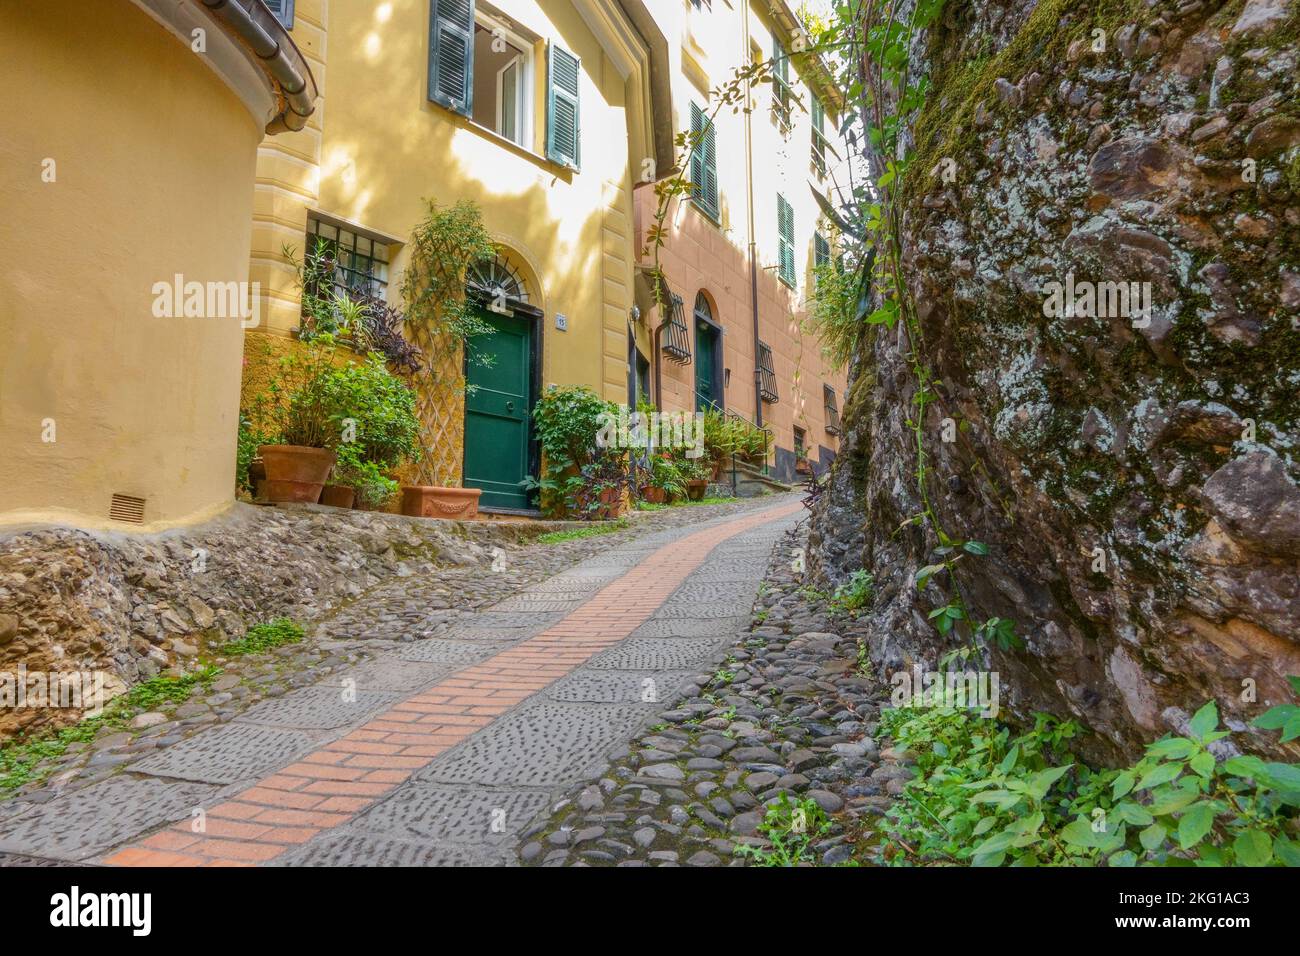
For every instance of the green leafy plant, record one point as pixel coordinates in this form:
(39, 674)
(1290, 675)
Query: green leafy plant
(373, 410)
(987, 797)
(855, 593)
(373, 489)
(264, 637)
(666, 475)
(575, 468)
(246, 450)
(791, 827)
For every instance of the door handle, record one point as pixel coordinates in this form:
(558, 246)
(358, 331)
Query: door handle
(510, 406)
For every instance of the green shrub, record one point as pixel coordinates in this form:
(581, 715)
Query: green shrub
(380, 404)
(987, 797)
(568, 419)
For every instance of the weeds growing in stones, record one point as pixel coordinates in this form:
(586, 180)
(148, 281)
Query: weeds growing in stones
(25, 760)
(264, 637)
(791, 827)
(576, 534)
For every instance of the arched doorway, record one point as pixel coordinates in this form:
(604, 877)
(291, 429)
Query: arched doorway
(502, 376)
(708, 357)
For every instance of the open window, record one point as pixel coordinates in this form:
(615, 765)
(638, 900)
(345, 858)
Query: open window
(503, 81)
(482, 65)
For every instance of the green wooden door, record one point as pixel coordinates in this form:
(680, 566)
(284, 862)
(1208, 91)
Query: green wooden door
(497, 412)
(707, 394)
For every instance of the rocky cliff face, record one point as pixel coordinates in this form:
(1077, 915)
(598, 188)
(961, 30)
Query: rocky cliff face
(1104, 246)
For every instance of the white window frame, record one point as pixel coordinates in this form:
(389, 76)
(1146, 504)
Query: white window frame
(526, 83)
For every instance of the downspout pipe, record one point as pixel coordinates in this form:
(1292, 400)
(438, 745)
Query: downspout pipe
(257, 27)
(654, 347)
(749, 212)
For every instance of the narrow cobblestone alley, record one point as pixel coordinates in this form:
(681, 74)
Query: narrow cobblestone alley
(439, 750)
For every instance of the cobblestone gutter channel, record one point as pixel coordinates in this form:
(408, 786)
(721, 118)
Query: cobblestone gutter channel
(396, 636)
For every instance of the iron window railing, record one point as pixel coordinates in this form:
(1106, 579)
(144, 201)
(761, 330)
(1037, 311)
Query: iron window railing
(360, 264)
(676, 344)
(767, 375)
(832, 411)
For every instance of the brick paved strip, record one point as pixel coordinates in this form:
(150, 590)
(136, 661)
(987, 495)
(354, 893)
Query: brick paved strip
(327, 787)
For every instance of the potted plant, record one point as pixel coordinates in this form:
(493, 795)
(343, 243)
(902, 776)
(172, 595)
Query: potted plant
(356, 414)
(294, 417)
(443, 248)
(372, 489)
(696, 473)
(579, 462)
(665, 481)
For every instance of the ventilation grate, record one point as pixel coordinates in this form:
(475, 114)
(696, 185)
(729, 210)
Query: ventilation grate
(127, 508)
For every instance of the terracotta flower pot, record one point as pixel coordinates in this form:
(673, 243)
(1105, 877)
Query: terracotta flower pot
(653, 495)
(295, 472)
(612, 503)
(338, 496)
(696, 487)
(432, 501)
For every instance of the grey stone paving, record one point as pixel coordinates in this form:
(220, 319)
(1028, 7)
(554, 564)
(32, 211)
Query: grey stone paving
(87, 822)
(229, 754)
(543, 743)
(317, 708)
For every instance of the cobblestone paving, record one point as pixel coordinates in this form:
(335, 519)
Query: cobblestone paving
(785, 718)
(409, 730)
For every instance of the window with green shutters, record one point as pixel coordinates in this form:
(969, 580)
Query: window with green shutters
(563, 126)
(704, 163)
(785, 245)
(452, 28)
(283, 10)
(821, 250)
(781, 94)
(451, 54)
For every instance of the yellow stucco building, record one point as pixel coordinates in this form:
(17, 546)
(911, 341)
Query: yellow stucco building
(128, 143)
(541, 112)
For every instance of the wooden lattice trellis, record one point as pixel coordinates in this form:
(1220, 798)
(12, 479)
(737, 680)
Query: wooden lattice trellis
(440, 404)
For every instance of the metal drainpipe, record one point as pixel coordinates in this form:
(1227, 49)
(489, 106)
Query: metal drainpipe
(749, 215)
(654, 347)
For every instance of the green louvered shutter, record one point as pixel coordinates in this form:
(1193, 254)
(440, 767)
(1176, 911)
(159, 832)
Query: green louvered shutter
(451, 54)
(704, 162)
(821, 250)
(563, 126)
(785, 234)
